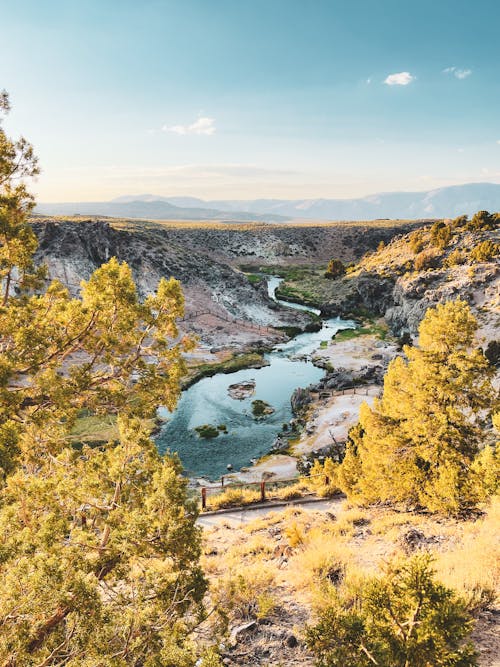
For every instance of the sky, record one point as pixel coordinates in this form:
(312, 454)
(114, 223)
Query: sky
(242, 99)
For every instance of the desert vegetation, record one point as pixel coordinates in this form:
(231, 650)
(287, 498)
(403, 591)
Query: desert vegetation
(101, 556)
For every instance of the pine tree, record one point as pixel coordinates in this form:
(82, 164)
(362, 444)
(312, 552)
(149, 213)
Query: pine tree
(418, 442)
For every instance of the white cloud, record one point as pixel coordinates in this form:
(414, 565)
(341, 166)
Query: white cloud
(202, 125)
(368, 81)
(498, 141)
(399, 79)
(457, 72)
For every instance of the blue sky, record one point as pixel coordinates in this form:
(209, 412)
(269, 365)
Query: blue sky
(261, 98)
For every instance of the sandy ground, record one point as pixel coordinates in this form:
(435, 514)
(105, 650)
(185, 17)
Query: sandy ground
(332, 419)
(278, 466)
(356, 353)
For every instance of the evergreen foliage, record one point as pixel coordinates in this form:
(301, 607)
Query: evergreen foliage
(440, 234)
(417, 444)
(401, 619)
(335, 269)
(482, 220)
(99, 549)
(484, 251)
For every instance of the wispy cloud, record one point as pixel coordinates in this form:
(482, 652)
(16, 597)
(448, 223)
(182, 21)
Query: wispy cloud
(202, 125)
(399, 79)
(457, 72)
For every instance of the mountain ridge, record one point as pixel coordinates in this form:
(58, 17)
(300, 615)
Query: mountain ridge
(446, 202)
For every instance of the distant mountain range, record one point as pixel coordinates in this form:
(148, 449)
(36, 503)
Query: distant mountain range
(445, 202)
(152, 208)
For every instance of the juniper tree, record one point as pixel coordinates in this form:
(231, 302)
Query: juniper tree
(416, 445)
(403, 618)
(98, 547)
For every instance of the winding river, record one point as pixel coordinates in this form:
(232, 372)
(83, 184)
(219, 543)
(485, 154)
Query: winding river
(208, 402)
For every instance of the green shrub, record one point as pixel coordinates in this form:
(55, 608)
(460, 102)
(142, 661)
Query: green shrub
(416, 240)
(335, 269)
(461, 221)
(484, 251)
(207, 431)
(427, 259)
(440, 234)
(401, 619)
(261, 408)
(455, 258)
(482, 220)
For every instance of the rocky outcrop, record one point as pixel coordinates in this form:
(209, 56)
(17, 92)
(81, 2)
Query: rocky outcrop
(299, 400)
(388, 284)
(412, 296)
(241, 390)
(365, 292)
(72, 250)
(262, 245)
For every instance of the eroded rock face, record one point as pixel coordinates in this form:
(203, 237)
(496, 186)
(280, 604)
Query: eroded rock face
(413, 296)
(366, 292)
(393, 289)
(300, 399)
(72, 250)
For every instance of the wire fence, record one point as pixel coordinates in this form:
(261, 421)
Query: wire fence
(232, 493)
(357, 390)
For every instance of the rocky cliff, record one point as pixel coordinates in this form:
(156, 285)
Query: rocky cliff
(423, 268)
(221, 305)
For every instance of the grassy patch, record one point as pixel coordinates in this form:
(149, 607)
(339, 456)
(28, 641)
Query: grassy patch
(236, 363)
(261, 409)
(254, 278)
(207, 431)
(239, 496)
(94, 429)
(372, 329)
(97, 429)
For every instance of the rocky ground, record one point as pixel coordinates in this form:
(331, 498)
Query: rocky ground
(222, 307)
(275, 570)
(402, 280)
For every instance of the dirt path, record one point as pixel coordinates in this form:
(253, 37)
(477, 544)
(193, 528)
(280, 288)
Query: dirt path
(244, 515)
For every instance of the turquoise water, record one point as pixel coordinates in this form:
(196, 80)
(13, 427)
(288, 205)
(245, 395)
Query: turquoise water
(207, 402)
(273, 283)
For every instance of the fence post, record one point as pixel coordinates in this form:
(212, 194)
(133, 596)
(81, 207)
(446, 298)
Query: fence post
(203, 498)
(222, 481)
(327, 480)
(262, 491)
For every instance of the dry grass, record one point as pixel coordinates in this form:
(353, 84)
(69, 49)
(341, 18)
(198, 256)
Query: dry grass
(233, 497)
(293, 559)
(241, 594)
(236, 496)
(472, 564)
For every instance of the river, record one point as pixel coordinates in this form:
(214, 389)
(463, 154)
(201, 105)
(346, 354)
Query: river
(208, 402)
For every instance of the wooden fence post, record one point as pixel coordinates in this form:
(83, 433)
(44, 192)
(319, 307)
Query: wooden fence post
(222, 481)
(203, 498)
(327, 480)
(262, 491)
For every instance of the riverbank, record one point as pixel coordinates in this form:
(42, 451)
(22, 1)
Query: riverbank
(356, 368)
(207, 401)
